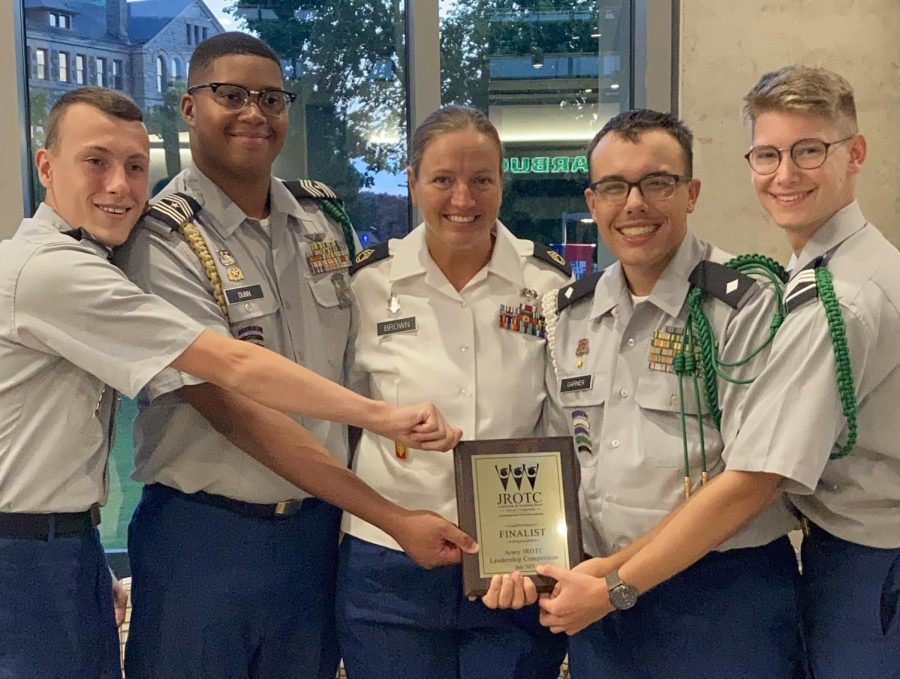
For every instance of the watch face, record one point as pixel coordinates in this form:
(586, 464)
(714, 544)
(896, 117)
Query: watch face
(623, 596)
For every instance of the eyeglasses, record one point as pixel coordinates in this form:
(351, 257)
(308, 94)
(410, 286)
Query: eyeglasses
(654, 186)
(807, 154)
(272, 102)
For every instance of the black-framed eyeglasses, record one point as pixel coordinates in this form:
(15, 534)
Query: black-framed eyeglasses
(807, 154)
(233, 97)
(654, 186)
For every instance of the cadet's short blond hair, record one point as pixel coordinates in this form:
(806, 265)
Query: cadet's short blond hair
(108, 101)
(803, 89)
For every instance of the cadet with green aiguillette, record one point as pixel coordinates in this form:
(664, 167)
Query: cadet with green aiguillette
(650, 361)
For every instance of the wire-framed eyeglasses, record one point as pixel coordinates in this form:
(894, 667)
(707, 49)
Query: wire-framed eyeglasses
(807, 154)
(233, 97)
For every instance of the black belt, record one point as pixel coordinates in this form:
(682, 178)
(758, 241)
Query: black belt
(45, 526)
(255, 510)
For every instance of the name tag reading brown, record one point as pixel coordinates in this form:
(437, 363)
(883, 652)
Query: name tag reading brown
(519, 499)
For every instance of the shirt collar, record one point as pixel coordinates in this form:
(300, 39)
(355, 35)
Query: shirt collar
(842, 224)
(224, 213)
(47, 215)
(410, 256)
(668, 293)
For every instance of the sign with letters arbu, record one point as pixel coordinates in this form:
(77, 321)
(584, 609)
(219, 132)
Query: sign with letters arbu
(519, 499)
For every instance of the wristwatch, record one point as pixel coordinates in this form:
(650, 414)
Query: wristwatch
(621, 595)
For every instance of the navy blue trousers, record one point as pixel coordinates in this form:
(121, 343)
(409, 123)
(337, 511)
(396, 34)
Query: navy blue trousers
(397, 619)
(731, 615)
(850, 596)
(224, 596)
(56, 609)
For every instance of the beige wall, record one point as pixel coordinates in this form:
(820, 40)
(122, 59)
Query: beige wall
(10, 132)
(726, 46)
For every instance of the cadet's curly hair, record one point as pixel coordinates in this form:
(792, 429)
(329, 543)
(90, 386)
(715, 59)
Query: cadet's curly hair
(631, 124)
(802, 89)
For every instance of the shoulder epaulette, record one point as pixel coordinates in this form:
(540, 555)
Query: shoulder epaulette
(803, 287)
(722, 282)
(310, 188)
(370, 255)
(544, 253)
(174, 209)
(580, 289)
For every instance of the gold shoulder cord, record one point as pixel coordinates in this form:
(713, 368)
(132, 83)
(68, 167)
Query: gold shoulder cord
(195, 240)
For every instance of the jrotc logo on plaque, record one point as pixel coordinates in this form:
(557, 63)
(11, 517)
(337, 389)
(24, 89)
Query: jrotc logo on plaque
(235, 274)
(327, 255)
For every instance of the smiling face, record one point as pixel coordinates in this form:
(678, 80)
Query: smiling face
(800, 201)
(458, 191)
(642, 234)
(234, 143)
(96, 175)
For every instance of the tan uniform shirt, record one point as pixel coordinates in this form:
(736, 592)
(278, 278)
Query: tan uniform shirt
(484, 378)
(276, 300)
(628, 423)
(72, 330)
(794, 417)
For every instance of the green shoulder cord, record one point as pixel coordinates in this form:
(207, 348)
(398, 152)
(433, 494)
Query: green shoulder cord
(838, 331)
(334, 210)
(700, 343)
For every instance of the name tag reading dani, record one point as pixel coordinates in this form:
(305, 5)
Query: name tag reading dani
(394, 327)
(245, 294)
(580, 383)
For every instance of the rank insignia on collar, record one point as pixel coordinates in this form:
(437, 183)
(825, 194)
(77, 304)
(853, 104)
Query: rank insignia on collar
(226, 258)
(393, 306)
(235, 274)
(523, 318)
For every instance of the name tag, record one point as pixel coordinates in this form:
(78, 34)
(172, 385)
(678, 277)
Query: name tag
(580, 383)
(245, 294)
(400, 325)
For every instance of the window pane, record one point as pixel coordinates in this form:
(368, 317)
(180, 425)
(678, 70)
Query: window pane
(348, 125)
(549, 75)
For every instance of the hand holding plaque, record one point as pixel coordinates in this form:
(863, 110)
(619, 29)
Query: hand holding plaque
(519, 499)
